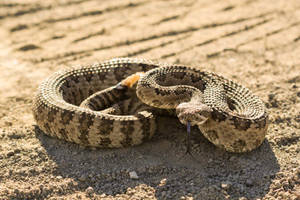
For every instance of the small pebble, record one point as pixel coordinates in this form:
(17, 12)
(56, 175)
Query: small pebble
(17, 151)
(10, 153)
(163, 182)
(133, 175)
(89, 190)
(82, 178)
(232, 158)
(225, 185)
(249, 182)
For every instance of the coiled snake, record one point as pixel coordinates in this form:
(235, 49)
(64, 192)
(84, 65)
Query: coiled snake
(227, 114)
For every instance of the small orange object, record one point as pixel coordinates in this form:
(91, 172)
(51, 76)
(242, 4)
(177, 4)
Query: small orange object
(132, 79)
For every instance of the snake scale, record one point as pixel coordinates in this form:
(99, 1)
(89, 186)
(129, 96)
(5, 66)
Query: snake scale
(228, 114)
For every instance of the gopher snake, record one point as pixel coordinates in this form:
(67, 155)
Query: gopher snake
(228, 114)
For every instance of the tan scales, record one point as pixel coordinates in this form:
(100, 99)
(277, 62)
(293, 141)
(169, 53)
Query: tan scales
(231, 117)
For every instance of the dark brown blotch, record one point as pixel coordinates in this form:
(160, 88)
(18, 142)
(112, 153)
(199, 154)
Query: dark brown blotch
(86, 120)
(66, 116)
(47, 128)
(156, 90)
(91, 91)
(83, 94)
(161, 78)
(179, 75)
(231, 103)
(105, 127)
(106, 97)
(63, 134)
(200, 84)
(93, 104)
(105, 142)
(261, 123)
(146, 67)
(67, 83)
(75, 79)
(218, 116)
(98, 99)
(102, 76)
(120, 73)
(88, 77)
(241, 124)
(144, 84)
(146, 126)
(117, 94)
(195, 79)
(177, 92)
(127, 129)
(52, 115)
(162, 92)
(238, 145)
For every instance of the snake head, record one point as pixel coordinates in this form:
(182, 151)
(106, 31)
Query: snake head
(194, 113)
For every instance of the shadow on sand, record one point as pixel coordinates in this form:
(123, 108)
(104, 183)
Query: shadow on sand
(214, 175)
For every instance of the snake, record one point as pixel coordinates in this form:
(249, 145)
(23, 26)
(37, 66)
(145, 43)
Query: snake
(97, 105)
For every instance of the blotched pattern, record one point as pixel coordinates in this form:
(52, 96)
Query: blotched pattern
(238, 125)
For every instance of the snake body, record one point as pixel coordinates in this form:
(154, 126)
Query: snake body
(235, 119)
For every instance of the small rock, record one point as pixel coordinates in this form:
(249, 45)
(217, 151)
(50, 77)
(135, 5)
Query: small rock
(271, 96)
(89, 190)
(8, 123)
(241, 187)
(249, 182)
(10, 153)
(226, 185)
(133, 175)
(17, 151)
(286, 195)
(82, 178)
(277, 184)
(163, 182)
(59, 177)
(232, 158)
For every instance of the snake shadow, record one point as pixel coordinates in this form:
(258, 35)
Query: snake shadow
(163, 165)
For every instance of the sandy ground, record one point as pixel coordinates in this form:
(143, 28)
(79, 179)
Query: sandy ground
(254, 42)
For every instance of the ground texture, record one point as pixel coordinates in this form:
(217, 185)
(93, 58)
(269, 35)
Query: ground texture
(254, 42)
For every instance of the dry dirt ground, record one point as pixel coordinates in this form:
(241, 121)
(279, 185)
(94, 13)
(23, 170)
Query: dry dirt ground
(254, 42)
